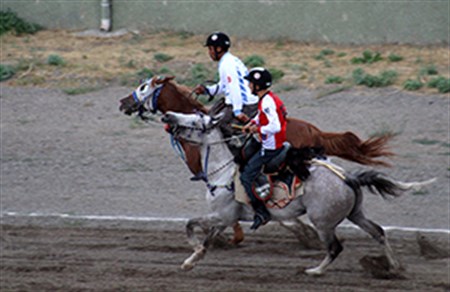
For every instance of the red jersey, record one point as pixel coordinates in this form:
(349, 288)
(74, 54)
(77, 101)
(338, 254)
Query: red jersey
(271, 121)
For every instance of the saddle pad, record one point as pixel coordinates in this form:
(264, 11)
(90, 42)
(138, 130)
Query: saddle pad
(281, 195)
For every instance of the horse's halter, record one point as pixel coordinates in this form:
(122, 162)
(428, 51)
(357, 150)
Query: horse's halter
(143, 93)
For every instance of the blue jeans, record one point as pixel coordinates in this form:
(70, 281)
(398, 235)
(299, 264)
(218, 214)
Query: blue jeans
(253, 168)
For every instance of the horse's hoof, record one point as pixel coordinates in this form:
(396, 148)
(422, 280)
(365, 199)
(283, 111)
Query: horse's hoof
(187, 266)
(314, 272)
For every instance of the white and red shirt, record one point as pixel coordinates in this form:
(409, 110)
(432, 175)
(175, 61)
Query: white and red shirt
(271, 121)
(232, 83)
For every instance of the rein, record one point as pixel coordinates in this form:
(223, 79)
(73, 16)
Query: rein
(211, 96)
(229, 186)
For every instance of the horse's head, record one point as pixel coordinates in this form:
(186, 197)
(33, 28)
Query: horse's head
(141, 97)
(190, 127)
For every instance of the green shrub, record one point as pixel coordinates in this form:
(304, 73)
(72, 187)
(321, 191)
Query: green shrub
(368, 57)
(433, 83)
(145, 73)
(165, 70)
(319, 57)
(79, 90)
(326, 52)
(441, 83)
(6, 72)
(358, 76)
(131, 64)
(9, 21)
(184, 35)
(428, 70)
(323, 54)
(55, 60)
(395, 58)
(134, 79)
(277, 74)
(198, 74)
(412, 85)
(334, 80)
(386, 78)
(161, 57)
(254, 61)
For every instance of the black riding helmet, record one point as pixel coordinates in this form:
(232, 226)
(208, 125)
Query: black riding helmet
(218, 39)
(259, 77)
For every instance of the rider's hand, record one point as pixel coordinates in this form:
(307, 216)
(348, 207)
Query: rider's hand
(199, 89)
(242, 117)
(250, 128)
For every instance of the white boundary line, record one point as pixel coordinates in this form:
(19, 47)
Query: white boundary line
(162, 219)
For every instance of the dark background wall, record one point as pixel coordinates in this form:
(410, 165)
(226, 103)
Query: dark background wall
(345, 22)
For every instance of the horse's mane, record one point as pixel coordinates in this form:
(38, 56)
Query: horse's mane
(186, 93)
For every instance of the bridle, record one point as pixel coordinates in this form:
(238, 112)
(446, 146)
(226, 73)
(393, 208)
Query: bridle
(149, 102)
(147, 95)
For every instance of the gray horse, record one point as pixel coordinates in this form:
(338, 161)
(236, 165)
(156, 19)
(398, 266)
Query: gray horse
(328, 198)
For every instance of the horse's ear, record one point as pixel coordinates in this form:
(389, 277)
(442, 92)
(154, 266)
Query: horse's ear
(164, 79)
(216, 119)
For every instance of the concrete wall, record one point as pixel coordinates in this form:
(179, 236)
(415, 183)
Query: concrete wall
(337, 21)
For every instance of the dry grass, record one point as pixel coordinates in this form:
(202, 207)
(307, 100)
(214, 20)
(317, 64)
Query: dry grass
(95, 62)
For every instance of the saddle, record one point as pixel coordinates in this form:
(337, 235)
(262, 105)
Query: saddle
(276, 185)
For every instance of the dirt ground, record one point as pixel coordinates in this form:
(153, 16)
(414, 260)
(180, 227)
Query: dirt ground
(92, 200)
(147, 258)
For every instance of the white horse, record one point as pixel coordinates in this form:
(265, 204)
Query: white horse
(327, 200)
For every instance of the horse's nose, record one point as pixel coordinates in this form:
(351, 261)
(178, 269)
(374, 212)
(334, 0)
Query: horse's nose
(124, 109)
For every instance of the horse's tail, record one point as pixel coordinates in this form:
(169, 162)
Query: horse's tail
(379, 183)
(348, 146)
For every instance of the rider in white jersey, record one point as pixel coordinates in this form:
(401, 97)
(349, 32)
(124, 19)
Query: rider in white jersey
(240, 102)
(232, 84)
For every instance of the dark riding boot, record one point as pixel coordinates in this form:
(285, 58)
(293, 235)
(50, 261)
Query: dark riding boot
(199, 176)
(262, 216)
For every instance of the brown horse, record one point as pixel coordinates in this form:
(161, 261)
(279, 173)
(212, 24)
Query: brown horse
(161, 101)
(177, 98)
(171, 97)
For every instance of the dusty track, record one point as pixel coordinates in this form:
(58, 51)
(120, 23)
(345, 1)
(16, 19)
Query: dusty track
(69, 258)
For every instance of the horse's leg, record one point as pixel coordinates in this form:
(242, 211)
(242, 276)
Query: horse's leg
(191, 224)
(200, 248)
(334, 248)
(238, 235)
(306, 235)
(377, 233)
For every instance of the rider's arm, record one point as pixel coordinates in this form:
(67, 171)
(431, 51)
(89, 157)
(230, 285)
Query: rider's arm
(219, 87)
(235, 92)
(231, 82)
(215, 89)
